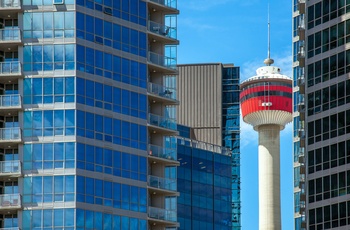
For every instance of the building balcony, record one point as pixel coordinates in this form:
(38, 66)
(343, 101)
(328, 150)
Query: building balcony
(301, 32)
(301, 6)
(10, 36)
(162, 33)
(159, 124)
(301, 135)
(166, 6)
(161, 63)
(161, 185)
(10, 102)
(10, 8)
(10, 135)
(301, 57)
(10, 202)
(10, 70)
(301, 159)
(161, 154)
(10, 5)
(302, 172)
(10, 169)
(301, 105)
(302, 115)
(161, 93)
(163, 215)
(301, 84)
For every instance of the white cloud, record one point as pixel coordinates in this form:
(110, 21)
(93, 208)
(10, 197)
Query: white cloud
(287, 131)
(284, 61)
(248, 135)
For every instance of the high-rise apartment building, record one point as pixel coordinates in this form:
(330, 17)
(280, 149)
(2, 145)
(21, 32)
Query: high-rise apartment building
(324, 171)
(87, 114)
(298, 34)
(209, 105)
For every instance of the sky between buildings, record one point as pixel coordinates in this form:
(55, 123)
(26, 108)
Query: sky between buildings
(232, 31)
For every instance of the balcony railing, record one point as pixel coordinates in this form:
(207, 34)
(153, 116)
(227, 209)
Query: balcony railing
(167, 3)
(13, 228)
(10, 167)
(162, 183)
(9, 3)
(10, 34)
(9, 134)
(10, 68)
(12, 100)
(160, 152)
(162, 214)
(163, 30)
(162, 122)
(162, 91)
(161, 60)
(10, 201)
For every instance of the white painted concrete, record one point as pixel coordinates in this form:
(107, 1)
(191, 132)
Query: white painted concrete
(269, 177)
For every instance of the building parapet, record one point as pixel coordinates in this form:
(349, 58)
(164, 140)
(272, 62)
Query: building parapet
(204, 145)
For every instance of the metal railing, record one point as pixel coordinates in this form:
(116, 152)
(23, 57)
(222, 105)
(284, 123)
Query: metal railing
(10, 68)
(7, 134)
(162, 91)
(162, 122)
(161, 152)
(9, 3)
(12, 100)
(162, 214)
(10, 200)
(162, 183)
(161, 29)
(13, 228)
(10, 34)
(167, 3)
(162, 60)
(12, 167)
(204, 146)
(301, 52)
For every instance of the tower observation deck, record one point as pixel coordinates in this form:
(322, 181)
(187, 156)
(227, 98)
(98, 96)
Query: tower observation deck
(266, 103)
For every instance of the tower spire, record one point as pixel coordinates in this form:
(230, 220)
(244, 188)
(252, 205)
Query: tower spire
(268, 61)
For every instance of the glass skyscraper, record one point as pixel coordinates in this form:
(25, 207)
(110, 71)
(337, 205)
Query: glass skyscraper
(204, 182)
(299, 113)
(324, 176)
(87, 114)
(209, 105)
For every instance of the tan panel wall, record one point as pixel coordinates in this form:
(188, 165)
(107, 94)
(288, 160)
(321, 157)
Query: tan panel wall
(200, 94)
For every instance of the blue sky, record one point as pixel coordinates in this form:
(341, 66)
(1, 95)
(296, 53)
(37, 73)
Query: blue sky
(233, 31)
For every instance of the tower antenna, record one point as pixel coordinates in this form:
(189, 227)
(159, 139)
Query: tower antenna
(268, 61)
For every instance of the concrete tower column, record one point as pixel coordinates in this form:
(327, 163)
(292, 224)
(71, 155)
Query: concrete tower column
(266, 103)
(269, 177)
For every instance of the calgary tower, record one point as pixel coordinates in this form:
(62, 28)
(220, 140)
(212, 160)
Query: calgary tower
(266, 103)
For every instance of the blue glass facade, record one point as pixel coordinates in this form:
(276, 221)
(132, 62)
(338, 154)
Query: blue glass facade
(231, 135)
(209, 146)
(83, 135)
(299, 41)
(204, 182)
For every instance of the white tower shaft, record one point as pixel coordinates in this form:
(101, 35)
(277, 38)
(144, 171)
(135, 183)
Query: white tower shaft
(269, 177)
